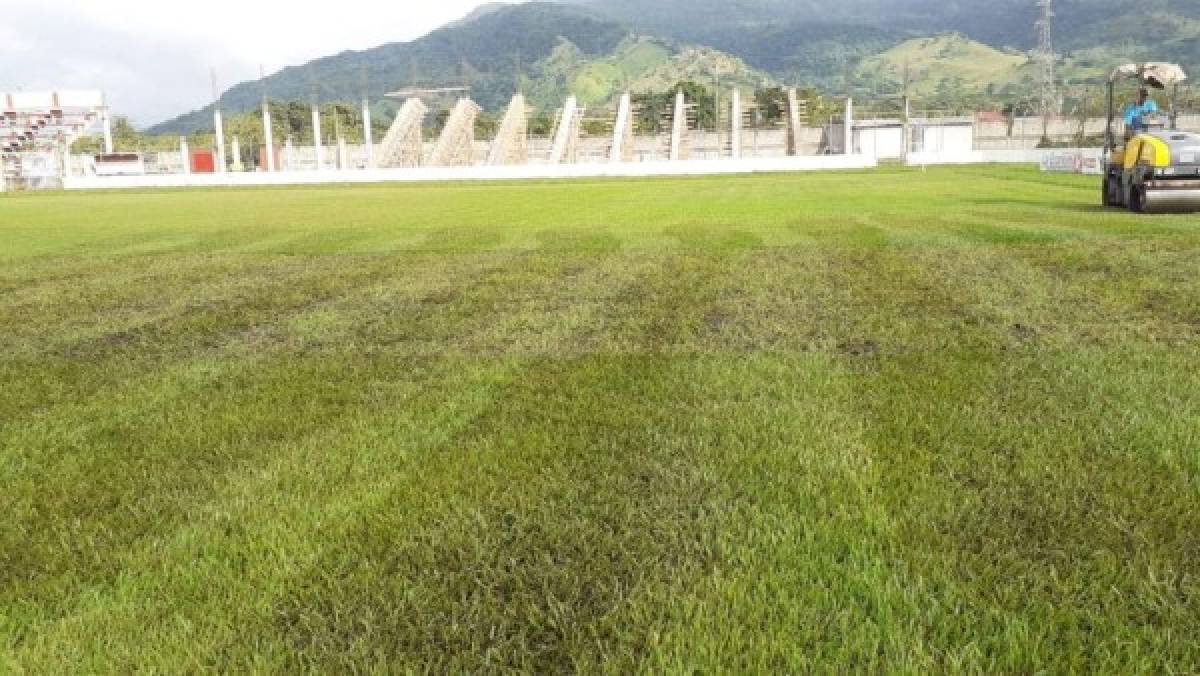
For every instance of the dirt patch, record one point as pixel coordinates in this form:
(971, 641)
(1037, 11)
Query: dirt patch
(859, 348)
(1024, 332)
(441, 297)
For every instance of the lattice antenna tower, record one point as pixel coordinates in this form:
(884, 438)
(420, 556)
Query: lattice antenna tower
(1045, 57)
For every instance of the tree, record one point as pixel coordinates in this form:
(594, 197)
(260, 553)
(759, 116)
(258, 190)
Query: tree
(541, 124)
(656, 107)
(126, 138)
(486, 125)
(772, 104)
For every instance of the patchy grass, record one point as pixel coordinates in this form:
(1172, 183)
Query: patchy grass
(897, 420)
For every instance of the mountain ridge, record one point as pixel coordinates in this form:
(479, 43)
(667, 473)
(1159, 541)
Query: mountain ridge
(820, 42)
(848, 47)
(490, 53)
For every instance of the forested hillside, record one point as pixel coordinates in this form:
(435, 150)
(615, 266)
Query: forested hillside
(489, 52)
(596, 48)
(821, 42)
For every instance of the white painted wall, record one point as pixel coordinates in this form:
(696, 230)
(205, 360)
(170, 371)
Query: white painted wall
(1015, 156)
(480, 173)
(942, 138)
(883, 143)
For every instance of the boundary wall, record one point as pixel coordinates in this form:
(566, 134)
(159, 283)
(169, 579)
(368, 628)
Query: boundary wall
(478, 173)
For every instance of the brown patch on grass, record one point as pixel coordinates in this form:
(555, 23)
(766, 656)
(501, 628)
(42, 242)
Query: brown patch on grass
(859, 348)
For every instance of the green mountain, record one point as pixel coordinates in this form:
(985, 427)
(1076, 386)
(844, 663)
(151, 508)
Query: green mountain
(548, 50)
(595, 48)
(1080, 23)
(637, 64)
(478, 13)
(941, 62)
(826, 43)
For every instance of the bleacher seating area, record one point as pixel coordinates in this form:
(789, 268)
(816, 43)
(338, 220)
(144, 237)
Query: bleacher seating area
(37, 125)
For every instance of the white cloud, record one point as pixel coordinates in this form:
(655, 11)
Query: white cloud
(12, 42)
(153, 57)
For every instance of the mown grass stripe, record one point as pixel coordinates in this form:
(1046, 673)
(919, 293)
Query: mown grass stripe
(464, 324)
(871, 421)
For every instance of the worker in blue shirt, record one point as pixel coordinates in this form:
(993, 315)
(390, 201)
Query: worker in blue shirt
(1137, 113)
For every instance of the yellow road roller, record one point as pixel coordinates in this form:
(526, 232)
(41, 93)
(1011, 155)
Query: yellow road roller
(1152, 167)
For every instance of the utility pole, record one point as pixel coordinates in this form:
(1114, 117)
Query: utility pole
(368, 136)
(518, 78)
(906, 118)
(218, 124)
(108, 130)
(318, 148)
(1046, 61)
(268, 132)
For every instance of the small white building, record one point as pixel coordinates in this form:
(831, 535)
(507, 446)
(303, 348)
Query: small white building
(881, 139)
(884, 139)
(120, 164)
(948, 139)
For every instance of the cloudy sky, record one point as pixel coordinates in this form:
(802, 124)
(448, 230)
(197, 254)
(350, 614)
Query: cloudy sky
(153, 57)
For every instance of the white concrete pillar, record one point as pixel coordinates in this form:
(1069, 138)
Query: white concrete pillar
(320, 152)
(220, 130)
(368, 136)
(186, 154)
(108, 136)
(66, 159)
(849, 148)
(678, 126)
(566, 129)
(289, 155)
(735, 125)
(621, 135)
(793, 113)
(237, 155)
(268, 136)
(343, 157)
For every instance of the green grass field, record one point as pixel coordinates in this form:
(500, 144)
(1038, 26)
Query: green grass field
(880, 421)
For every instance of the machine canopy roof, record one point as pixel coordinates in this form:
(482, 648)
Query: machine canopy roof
(1157, 75)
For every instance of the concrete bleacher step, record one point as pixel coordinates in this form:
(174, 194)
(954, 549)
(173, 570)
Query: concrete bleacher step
(402, 145)
(454, 146)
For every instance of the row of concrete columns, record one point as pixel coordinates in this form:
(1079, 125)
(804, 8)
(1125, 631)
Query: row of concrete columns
(793, 119)
(622, 147)
(563, 142)
(223, 165)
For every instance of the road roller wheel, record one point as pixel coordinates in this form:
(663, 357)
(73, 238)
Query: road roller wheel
(1137, 199)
